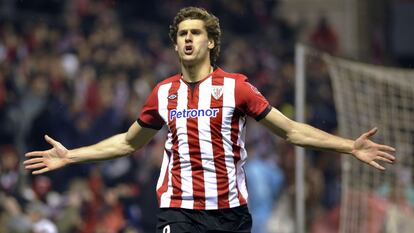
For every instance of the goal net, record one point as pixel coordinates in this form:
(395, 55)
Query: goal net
(367, 96)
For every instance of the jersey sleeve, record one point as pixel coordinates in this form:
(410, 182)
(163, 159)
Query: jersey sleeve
(150, 117)
(250, 101)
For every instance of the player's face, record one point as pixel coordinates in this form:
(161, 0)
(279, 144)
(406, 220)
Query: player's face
(193, 45)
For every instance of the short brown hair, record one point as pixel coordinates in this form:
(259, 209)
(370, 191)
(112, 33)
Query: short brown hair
(211, 23)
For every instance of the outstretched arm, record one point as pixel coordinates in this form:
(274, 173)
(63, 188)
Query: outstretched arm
(305, 135)
(116, 146)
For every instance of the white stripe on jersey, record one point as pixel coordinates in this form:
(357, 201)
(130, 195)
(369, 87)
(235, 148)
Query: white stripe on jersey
(236, 182)
(163, 101)
(183, 149)
(206, 148)
(241, 175)
(229, 104)
(166, 164)
(165, 198)
(163, 170)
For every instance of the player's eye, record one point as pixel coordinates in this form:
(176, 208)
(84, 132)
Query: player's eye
(182, 33)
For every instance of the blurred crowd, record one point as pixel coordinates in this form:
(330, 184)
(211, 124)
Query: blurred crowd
(80, 70)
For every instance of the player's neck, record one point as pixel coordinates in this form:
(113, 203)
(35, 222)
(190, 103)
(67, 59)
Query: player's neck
(195, 73)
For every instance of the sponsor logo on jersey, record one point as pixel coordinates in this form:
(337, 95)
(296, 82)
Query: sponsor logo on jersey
(216, 91)
(193, 113)
(172, 96)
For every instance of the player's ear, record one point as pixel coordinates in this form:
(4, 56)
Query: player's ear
(211, 44)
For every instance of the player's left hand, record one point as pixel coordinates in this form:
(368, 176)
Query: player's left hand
(369, 151)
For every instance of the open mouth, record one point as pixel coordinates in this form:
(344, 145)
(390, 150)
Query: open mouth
(188, 49)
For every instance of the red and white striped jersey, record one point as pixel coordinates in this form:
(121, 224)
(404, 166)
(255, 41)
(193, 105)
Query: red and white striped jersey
(204, 153)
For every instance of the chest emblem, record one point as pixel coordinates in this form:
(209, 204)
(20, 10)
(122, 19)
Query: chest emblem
(216, 91)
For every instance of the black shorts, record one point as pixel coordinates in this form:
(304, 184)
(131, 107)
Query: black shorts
(177, 220)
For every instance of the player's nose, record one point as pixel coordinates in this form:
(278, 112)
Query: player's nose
(188, 37)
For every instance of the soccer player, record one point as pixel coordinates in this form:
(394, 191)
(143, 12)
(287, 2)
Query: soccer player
(202, 184)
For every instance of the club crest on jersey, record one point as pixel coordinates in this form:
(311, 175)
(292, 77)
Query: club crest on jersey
(216, 91)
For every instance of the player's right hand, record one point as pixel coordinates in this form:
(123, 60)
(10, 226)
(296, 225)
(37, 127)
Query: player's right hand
(47, 160)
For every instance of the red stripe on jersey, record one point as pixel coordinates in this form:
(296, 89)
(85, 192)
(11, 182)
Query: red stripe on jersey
(195, 154)
(218, 151)
(192, 134)
(236, 150)
(176, 166)
(164, 185)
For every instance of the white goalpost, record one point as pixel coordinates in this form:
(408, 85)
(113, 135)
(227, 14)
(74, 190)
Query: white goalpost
(300, 53)
(366, 96)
